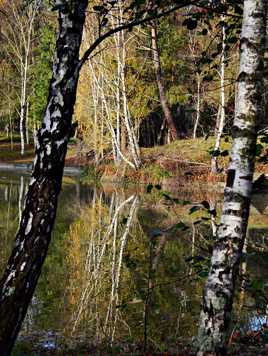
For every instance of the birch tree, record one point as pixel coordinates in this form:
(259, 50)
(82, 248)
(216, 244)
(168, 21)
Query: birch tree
(219, 289)
(220, 124)
(18, 34)
(34, 233)
(23, 269)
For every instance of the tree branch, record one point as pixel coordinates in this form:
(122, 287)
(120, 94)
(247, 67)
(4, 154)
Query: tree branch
(130, 25)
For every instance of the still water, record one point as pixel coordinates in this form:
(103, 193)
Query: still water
(126, 267)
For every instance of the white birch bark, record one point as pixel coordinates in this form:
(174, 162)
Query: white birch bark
(198, 79)
(219, 289)
(24, 265)
(133, 143)
(107, 118)
(19, 35)
(220, 126)
(21, 197)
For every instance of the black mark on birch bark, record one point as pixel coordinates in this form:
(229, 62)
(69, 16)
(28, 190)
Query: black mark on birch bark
(230, 178)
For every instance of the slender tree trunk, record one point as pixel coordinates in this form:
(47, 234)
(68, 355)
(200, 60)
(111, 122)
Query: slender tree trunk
(219, 289)
(198, 78)
(26, 40)
(132, 139)
(22, 129)
(219, 130)
(118, 94)
(27, 123)
(21, 196)
(123, 138)
(21, 275)
(10, 122)
(162, 95)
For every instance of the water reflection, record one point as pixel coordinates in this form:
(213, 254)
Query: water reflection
(125, 266)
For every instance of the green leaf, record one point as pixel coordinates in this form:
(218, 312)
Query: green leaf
(215, 153)
(257, 285)
(149, 188)
(180, 225)
(203, 274)
(194, 208)
(259, 148)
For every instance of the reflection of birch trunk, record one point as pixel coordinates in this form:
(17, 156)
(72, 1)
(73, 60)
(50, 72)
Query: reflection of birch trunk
(219, 289)
(8, 195)
(119, 265)
(89, 287)
(153, 263)
(21, 197)
(193, 247)
(220, 125)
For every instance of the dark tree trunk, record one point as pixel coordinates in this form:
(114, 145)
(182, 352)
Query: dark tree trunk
(24, 266)
(123, 138)
(162, 95)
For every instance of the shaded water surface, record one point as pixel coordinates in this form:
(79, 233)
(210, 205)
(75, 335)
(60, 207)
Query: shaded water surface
(126, 267)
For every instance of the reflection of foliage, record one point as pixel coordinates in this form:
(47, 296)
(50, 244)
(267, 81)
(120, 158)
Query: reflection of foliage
(9, 218)
(164, 261)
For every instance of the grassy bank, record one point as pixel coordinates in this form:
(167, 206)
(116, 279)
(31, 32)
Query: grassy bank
(182, 158)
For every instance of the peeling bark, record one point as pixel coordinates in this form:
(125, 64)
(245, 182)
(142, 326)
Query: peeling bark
(20, 277)
(219, 289)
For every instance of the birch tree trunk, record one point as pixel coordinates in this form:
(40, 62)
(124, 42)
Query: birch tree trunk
(220, 125)
(198, 79)
(32, 240)
(163, 99)
(219, 289)
(133, 142)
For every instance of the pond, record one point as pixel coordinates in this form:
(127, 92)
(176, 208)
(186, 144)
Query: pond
(126, 268)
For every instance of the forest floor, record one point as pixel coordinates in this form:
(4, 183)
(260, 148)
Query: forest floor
(186, 158)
